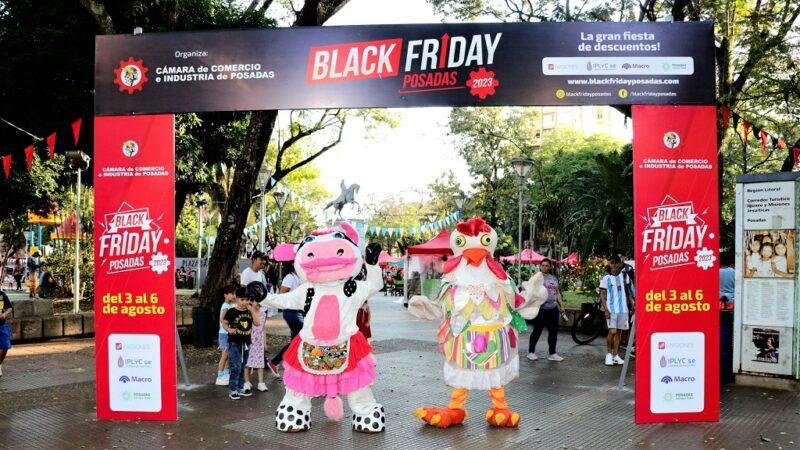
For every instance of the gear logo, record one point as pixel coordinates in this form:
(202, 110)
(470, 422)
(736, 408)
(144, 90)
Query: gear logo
(482, 83)
(159, 263)
(131, 75)
(705, 258)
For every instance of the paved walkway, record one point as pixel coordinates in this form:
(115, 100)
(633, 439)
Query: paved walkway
(573, 404)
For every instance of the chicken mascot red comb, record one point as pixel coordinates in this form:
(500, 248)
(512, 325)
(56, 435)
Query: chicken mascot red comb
(481, 316)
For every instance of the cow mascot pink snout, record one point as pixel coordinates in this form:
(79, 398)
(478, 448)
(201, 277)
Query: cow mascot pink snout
(330, 357)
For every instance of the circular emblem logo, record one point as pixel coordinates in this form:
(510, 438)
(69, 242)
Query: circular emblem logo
(131, 75)
(671, 139)
(623, 93)
(560, 94)
(130, 148)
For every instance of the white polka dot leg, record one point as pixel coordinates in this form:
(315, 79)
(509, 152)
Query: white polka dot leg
(374, 422)
(289, 418)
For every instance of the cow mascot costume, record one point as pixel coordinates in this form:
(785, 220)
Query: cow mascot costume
(330, 357)
(481, 318)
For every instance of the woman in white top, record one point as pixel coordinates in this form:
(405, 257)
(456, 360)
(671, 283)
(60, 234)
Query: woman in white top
(293, 317)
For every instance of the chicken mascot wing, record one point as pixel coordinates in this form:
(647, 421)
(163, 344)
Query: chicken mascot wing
(330, 357)
(481, 316)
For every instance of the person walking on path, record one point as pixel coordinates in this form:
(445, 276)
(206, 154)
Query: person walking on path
(18, 273)
(615, 295)
(293, 317)
(256, 270)
(6, 308)
(255, 359)
(239, 321)
(548, 315)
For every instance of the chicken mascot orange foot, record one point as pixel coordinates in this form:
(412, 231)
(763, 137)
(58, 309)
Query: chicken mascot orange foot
(481, 315)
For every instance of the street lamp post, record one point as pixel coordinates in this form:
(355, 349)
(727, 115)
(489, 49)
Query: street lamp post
(460, 199)
(264, 179)
(280, 200)
(78, 161)
(522, 166)
(201, 203)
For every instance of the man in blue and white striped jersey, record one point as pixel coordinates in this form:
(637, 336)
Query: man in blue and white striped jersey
(615, 295)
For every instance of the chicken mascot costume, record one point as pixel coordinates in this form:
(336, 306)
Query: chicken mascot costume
(330, 357)
(481, 317)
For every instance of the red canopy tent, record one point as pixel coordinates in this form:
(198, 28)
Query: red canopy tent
(572, 259)
(528, 257)
(439, 245)
(385, 258)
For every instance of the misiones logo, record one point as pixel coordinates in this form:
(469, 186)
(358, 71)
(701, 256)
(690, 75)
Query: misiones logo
(666, 379)
(131, 75)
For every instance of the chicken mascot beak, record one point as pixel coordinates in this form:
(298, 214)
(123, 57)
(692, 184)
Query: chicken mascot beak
(475, 255)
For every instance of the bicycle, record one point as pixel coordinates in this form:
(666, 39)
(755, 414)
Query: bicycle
(591, 322)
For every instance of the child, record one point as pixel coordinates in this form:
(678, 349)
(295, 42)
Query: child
(779, 263)
(764, 269)
(255, 360)
(223, 374)
(238, 322)
(754, 258)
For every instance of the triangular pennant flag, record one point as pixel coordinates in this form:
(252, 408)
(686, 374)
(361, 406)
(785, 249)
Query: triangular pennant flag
(746, 128)
(7, 166)
(763, 142)
(795, 153)
(76, 130)
(51, 145)
(29, 157)
(726, 117)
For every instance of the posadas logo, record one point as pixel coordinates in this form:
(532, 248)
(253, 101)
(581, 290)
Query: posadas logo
(671, 140)
(426, 65)
(131, 75)
(674, 236)
(130, 148)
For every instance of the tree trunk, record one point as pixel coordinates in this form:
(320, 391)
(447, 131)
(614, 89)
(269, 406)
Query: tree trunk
(181, 193)
(225, 256)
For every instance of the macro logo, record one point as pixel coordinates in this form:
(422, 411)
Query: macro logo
(120, 362)
(131, 75)
(124, 379)
(663, 361)
(626, 66)
(666, 379)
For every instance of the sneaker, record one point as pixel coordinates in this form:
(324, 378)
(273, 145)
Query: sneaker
(555, 357)
(233, 395)
(262, 387)
(245, 392)
(532, 356)
(273, 368)
(247, 386)
(609, 359)
(618, 360)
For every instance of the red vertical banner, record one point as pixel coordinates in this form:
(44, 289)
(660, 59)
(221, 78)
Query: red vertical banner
(676, 214)
(134, 303)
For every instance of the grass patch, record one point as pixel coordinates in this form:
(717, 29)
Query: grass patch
(573, 299)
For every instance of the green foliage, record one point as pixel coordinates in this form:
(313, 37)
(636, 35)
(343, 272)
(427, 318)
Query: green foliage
(186, 233)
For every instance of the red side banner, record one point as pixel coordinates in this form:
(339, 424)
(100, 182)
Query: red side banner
(676, 217)
(134, 302)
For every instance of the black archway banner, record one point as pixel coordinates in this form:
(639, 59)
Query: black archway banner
(406, 66)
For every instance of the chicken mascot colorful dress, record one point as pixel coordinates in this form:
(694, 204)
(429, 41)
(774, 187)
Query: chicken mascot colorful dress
(481, 317)
(330, 357)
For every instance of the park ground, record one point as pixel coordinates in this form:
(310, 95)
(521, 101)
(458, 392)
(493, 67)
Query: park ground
(47, 401)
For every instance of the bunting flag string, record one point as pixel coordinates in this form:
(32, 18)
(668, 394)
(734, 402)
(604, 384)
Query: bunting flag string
(429, 228)
(30, 149)
(761, 134)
